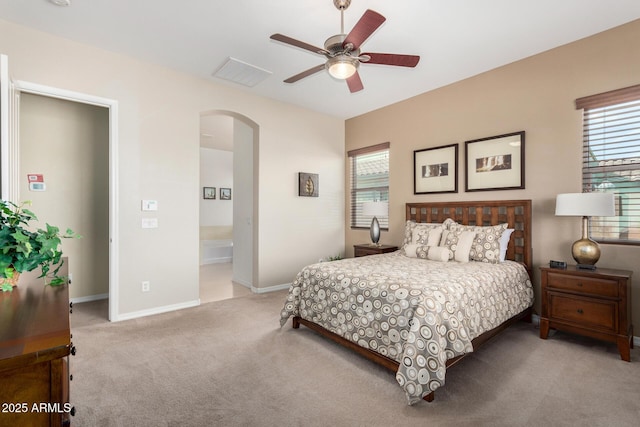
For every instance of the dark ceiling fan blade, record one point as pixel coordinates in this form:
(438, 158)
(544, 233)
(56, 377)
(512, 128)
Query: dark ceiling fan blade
(304, 74)
(392, 59)
(354, 83)
(368, 23)
(297, 43)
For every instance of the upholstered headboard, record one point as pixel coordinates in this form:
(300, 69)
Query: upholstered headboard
(517, 213)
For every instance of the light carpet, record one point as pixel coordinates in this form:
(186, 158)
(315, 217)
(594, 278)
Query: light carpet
(228, 363)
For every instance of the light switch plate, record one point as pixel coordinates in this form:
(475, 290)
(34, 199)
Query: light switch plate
(149, 205)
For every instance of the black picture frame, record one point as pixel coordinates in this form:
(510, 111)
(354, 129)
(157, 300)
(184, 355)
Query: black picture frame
(435, 170)
(495, 163)
(225, 194)
(209, 193)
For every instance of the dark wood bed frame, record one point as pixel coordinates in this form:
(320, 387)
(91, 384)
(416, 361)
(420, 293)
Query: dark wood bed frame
(517, 213)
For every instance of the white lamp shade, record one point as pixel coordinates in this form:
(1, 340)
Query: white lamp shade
(585, 204)
(378, 209)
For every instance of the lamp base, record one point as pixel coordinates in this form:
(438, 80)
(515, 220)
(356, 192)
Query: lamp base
(585, 251)
(374, 231)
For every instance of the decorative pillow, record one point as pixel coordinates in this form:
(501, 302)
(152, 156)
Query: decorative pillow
(433, 253)
(411, 226)
(427, 236)
(504, 243)
(486, 245)
(462, 251)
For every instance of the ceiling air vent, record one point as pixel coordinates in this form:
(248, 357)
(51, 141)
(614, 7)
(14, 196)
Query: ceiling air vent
(240, 72)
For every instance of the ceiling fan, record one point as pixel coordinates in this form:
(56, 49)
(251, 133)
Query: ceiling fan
(343, 50)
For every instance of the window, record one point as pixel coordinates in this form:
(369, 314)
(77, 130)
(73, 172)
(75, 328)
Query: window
(369, 171)
(611, 160)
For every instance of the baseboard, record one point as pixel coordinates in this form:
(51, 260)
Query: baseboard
(221, 260)
(270, 288)
(89, 298)
(156, 310)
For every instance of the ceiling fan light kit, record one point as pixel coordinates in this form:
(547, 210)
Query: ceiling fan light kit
(342, 51)
(342, 67)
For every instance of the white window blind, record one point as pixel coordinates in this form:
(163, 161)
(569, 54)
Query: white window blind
(611, 160)
(369, 172)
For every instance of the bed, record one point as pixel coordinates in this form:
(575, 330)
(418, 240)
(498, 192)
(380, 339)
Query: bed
(415, 312)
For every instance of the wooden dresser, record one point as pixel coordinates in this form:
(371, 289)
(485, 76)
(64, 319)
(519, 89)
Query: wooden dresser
(592, 303)
(35, 343)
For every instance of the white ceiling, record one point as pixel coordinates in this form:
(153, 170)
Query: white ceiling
(456, 39)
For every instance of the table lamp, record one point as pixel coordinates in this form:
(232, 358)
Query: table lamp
(375, 209)
(585, 251)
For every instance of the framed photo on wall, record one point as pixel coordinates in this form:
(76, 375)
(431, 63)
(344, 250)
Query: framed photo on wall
(209, 193)
(435, 170)
(495, 163)
(225, 194)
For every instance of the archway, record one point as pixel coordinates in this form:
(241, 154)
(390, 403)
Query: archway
(229, 131)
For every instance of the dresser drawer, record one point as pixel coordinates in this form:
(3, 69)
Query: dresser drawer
(589, 285)
(590, 313)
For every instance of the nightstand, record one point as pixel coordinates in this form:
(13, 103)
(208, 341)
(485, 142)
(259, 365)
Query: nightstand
(595, 303)
(368, 249)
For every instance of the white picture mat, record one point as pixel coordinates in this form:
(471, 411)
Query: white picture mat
(435, 184)
(507, 145)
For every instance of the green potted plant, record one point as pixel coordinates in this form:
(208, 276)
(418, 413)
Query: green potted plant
(25, 248)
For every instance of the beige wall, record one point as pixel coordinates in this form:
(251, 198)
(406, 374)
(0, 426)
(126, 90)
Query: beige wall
(535, 95)
(68, 143)
(158, 152)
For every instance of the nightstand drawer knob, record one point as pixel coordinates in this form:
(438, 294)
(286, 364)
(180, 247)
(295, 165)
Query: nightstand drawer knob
(580, 311)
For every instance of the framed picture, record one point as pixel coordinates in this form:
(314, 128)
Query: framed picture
(495, 163)
(435, 170)
(225, 194)
(308, 184)
(208, 192)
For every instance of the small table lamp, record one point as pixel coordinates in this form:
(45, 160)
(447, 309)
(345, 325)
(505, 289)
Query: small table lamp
(585, 251)
(375, 209)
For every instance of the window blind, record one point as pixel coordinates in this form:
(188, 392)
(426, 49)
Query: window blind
(369, 182)
(611, 160)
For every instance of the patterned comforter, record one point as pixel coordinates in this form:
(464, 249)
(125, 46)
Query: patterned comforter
(417, 312)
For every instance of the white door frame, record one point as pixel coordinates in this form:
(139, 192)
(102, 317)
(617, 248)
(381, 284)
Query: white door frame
(112, 105)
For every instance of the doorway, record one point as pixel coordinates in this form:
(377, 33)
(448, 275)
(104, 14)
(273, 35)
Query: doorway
(104, 222)
(228, 205)
(66, 145)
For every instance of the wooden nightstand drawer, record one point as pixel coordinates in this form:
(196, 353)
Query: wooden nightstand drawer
(584, 312)
(589, 285)
(364, 250)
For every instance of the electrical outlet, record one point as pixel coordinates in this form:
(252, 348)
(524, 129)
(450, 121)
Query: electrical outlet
(146, 286)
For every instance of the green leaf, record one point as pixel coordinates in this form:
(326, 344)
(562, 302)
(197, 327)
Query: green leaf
(57, 281)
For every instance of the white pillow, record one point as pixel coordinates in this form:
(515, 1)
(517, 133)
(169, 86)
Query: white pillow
(410, 250)
(439, 253)
(433, 253)
(463, 246)
(504, 242)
